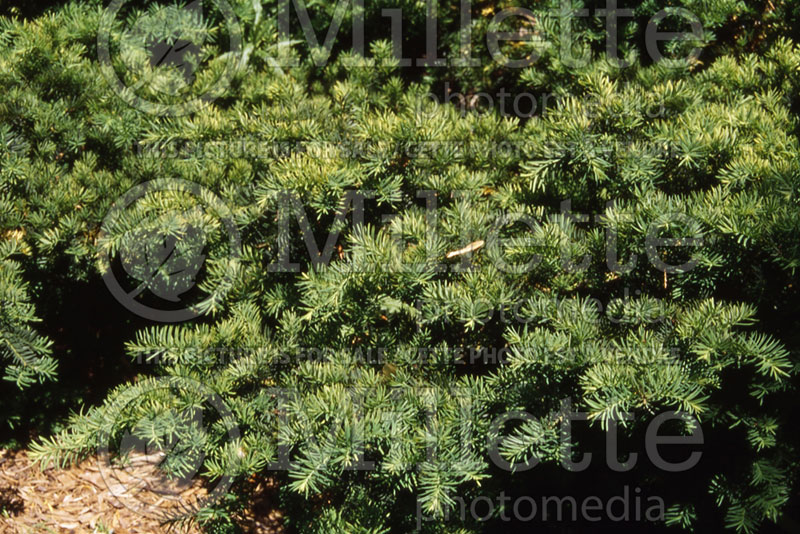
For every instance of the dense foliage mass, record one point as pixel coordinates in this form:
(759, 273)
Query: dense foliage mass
(395, 352)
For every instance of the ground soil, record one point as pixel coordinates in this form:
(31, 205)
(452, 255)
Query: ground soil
(92, 497)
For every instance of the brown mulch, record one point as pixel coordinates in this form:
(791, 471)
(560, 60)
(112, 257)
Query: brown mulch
(92, 497)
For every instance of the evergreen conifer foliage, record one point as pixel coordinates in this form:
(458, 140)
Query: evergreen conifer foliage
(27, 354)
(515, 274)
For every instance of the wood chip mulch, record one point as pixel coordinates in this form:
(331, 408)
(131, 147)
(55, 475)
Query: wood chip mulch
(91, 498)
